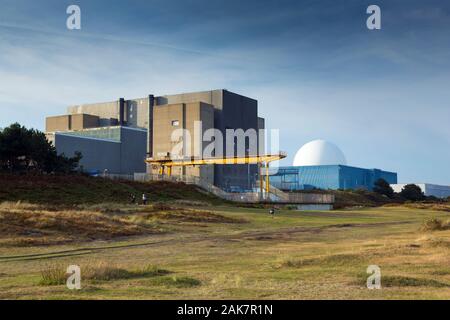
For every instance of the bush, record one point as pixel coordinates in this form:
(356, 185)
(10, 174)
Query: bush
(381, 186)
(53, 275)
(412, 192)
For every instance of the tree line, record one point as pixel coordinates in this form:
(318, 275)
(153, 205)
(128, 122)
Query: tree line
(28, 150)
(409, 192)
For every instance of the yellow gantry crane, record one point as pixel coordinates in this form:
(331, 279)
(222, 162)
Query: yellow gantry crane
(260, 160)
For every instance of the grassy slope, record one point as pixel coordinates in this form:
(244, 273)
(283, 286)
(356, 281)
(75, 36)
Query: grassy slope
(75, 189)
(295, 255)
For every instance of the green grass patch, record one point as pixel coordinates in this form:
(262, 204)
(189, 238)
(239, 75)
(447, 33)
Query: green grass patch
(175, 281)
(329, 261)
(402, 281)
(389, 281)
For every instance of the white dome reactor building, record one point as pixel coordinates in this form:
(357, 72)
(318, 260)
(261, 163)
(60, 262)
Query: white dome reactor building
(319, 153)
(320, 164)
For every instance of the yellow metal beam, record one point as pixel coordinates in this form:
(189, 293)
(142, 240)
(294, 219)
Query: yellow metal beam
(205, 161)
(260, 160)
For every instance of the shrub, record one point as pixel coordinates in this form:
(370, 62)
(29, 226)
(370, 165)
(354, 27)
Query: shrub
(434, 224)
(53, 275)
(412, 192)
(381, 186)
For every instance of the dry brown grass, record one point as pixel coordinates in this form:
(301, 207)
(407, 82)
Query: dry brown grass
(429, 206)
(434, 224)
(28, 224)
(55, 274)
(78, 189)
(308, 256)
(24, 224)
(164, 212)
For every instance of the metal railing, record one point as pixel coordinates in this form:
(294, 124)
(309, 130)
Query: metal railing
(275, 195)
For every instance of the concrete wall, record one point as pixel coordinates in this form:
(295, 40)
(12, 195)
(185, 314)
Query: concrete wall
(71, 122)
(137, 113)
(163, 127)
(105, 111)
(261, 138)
(213, 97)
(84, 121)
(237, 112)
(182, 116)
(57, 123)
(133, 150)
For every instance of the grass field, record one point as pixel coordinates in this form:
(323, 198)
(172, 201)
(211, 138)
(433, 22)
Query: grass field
(202, 251)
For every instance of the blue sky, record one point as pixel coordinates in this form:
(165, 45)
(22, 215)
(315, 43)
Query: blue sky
(316, 70)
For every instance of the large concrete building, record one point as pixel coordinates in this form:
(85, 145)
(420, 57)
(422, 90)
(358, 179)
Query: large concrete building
(96, 129)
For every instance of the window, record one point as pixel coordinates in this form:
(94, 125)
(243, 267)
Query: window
(175, 123)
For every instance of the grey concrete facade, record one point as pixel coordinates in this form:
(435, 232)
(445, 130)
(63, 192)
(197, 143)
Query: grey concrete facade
(219, 109)
(231, 111)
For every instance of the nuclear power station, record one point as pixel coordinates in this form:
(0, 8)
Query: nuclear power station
(118, 136)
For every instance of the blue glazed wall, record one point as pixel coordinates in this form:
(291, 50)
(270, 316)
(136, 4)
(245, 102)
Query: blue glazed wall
(328, 177)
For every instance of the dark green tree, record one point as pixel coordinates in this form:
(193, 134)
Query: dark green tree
(381, 186)
(23, 149)
(15, 144)
(412, 192)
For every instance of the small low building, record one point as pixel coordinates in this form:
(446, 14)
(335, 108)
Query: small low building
(328, 177)
(116, 149)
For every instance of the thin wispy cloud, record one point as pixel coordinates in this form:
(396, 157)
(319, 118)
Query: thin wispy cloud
(315, 69)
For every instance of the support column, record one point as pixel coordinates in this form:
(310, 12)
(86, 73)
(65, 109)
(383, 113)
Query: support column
(121, 115)
(260, 179)
(151, 103)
